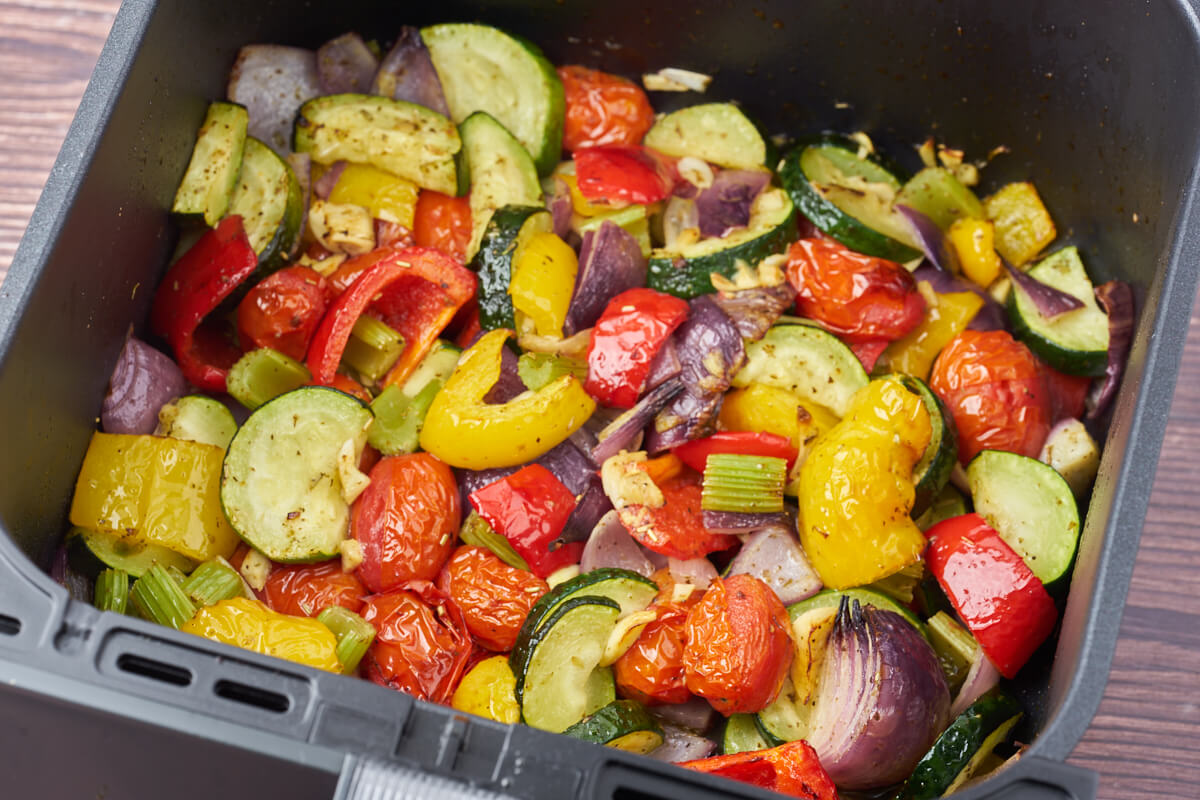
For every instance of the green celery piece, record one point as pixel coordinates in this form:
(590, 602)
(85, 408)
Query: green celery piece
(743, 483)
(112, 590)
(157, 597)
(354, 635)
(539, 369)
(214, 581)
(399, 418)
(373, 348)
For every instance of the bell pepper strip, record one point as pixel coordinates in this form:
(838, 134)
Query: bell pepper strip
(530, 508)
(251, 625)
(543, 281)
(676, 528)
(991, 588)
(791, 769)
(623, 174)
(946, 316)
(193, 287)
(625, 339)
(752, 443)
(465, 431)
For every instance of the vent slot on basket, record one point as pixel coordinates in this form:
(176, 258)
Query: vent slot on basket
(253, 696)
(154, 670)
(9, 626)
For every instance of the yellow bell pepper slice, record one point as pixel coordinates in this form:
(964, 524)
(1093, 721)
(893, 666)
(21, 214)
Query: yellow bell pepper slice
(974, 242)
(489, 690)
(386, 196)
(543, 281)
(464, 431)
(579, 203)
(856, 488)
(946, 316)
(250, 625)
(152, 490)
(772, 409)
(1023, 225)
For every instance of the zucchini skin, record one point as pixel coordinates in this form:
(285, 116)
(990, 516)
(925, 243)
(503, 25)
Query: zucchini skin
(531, 636)
(932, 472)
(1090, 363)
(493, 264)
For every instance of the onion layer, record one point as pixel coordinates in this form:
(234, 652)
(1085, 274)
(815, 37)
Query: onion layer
(142, 382)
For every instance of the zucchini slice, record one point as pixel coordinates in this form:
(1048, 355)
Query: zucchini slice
(508, 232)
(484, 69)
(948, 503)
(197, 418)
(212, 174)
(629, 590)
(91, 552)
(715, 132)
(623, 724)
(500, 171)
(786, 719)
(848, 198)
(742, 735)
(832, 598)
(554, 665)
(269, 200)
(806, 360)
(1075, 342)
(936, 193)
(684, 271)
(281, 485)
(405, 139)
(962, 747)
(932, 472)
(1031, 507)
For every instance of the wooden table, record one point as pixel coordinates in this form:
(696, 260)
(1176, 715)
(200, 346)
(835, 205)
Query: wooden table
(1145, 740)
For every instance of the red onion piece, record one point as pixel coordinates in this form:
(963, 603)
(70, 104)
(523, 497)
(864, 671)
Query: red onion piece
(559, 203)
(346, 64)
(980, 679)
(621, 432)
(79, 586)
(610, 545)
(407, 73)
(741, 521)
(665, 365)
(930, 237)
(610, 261)
(695, 714)
(881, 701)
(272, 82)
(509, 384)
(1116, 298)
(725, 205)
(323, 186)
(142, 382)
(680, 744)
(1050, 302)
(754, 311)
(775, 557)
(699, 572)
(990, 317)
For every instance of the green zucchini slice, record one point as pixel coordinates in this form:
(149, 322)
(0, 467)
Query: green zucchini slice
(742, 735)
(623, 724)
(932, 472)
(504, 240)
(629, 590)
(500, 173)
(806, 360)
(91, 552)
(197, 418)
(715, 132)
(832, 598)
(271, 205)
(936, 193)
(212, 174)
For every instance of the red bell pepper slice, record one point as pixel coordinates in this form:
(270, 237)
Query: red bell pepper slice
(196, 284)
(868, 352)
(752, 443)
(792, 769)
(530, 508)
(623, 173)
(998, 597)
(625, 339)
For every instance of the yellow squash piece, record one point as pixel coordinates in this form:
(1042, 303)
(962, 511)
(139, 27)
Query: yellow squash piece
(946, 316)
(1023, 225)
(489, 690)
(974, 241)
(543, 281)
(385, 195)
(250, 625)
(152, 490)
(464, 431)
(856, 488)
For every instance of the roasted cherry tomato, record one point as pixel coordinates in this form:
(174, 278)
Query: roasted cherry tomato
(651, 671)
(792, 769)
(738, 646)
(602, 109)
(858, 297)
(283, 311)
(623, 174)
(406, 520)
(494, 598)
(305, 590)
(675, 529)
(421, 644)
(625, 339)
(991, 384)
(1067, 394)
(443, 222)
(752, 443)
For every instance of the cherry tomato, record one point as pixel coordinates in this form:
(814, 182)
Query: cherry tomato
(305, 590)
(443, 222)
(625, 339)
(493, 597)
(991, 384)
(651, 671)
(695, 453)
(1067, 393)
(406, 520)
(858, 297)
(675, 529)
(421, 644)
(602, 109)
(738, 646)
(283, 311)
(623, 174)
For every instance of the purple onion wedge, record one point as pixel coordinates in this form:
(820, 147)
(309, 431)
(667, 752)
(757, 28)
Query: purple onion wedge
(742, 521)
(272, 82)
(559, 202)
(981, 677)
(665, 365)
(610, 545)
(142, 382)
(699, 572)
(1048, 301)
(407, 73)
(755, 310)
(725, 205)
(621, 432)
(775, 557)
(610, 261)
(695, 714)
(1116, 298)
(680, 744)
(931, 239)
(322, 187)
(881, 702)
(346, 64)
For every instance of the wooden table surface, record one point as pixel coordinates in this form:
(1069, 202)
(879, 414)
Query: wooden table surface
(1145, 739)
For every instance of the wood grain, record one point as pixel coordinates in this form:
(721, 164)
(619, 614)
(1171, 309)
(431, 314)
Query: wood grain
(1145, 740)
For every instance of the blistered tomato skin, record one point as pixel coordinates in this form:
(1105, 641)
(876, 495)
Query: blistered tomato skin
(444, 223)
(651, 671)
(282, 312)
(406, 520)
(305, 590)
(738, 647)
(493, 597)
(860, 298)
(623, 174)
(602, 109)
(421, 644)
(994, 389)
(676, 528)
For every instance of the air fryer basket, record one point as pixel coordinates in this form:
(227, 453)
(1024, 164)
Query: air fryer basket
(1096, 104)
